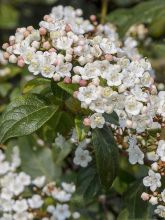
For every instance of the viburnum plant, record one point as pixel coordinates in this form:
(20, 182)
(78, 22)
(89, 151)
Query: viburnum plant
(95, 96)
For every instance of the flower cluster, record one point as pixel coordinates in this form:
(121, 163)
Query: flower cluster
(23, 198)
(112, 77)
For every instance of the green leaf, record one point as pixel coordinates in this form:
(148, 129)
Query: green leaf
(107, 156)
(111, 118)
(36, 82)
(61, 152)
(8, 16)
(25, 115)
(137, 208)
(4, 89)
(123, 215)
(69, 88)
(88, 182)
(81, 130)
(145, 12)
(37, 161)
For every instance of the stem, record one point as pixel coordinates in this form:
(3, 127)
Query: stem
(104, 9)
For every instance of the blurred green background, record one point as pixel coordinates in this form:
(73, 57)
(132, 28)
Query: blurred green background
(122, 13)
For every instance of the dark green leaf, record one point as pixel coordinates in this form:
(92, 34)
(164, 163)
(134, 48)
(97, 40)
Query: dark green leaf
(69, 88)
(25, 115)
(137, 208)
(107, 156)
(88, 182)
(111, 118)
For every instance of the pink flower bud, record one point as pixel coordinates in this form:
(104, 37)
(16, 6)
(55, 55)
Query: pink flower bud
(52, 50)
(109, 57)
(68, 28)
(5, 46)
(26, 33)
(83, 82)
(30, 28)
(42, 31)
(49, 20)
(67, 80)
(145, 196)
(6, 55)
(93, 17)
(87, 122)
(21, 63)
(75, 94)
(46, 45)
(46, 17)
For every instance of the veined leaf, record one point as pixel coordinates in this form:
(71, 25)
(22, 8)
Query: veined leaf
(24, 115)
(36, 82)
(69, 88)
(37, 161)
(111, 118)
(107, 156)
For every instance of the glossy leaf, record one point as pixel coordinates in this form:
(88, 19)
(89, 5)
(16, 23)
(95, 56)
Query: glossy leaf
(69, 88)
(25, 115)
(111, 118)
(88, 182)
(107, 156)
(37, 161)
(36, 82)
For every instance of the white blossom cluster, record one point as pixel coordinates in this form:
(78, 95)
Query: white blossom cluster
(153, 181)
(109, 79)
(15, 204)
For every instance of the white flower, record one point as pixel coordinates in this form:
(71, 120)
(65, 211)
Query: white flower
(39, 181)
(46, 66)
(64, 69)
(98, 105)
(76, 215)
(97, 120)
(15, 186)
(132, 106)
(161, 150)
(24, 179)
(69, 187)
(20, 206)
(63, 43)
(152, 180)
(82, 157)
(28, 55)
(60, 141)
(35, 202)
(108, 46)
(152, 156)
(21, 216)
(135, 154)
(6, 217)
(90, 71)
(160, 210)
(153, 200)
(6, 205)
(61, 195)
(61, 212)
(4, 167)
(87, 94)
